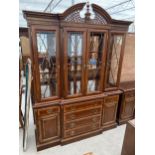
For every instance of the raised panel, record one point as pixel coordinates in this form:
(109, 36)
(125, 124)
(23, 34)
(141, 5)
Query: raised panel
(49, 128)
(128, 109)
(109, 112)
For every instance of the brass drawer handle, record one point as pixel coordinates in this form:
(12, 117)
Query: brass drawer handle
(72, 133)
(72, 125)
(94, 119)
(96, 104)
(72, 116)
(73, 108)
(49, 111)
(95, 111)
(93, 126)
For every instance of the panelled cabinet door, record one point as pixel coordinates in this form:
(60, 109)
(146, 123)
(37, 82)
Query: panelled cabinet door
(127, 109)
(114, 59)
(47, 63)
(49, 128)
(109, 110)
(95, 60)
(74, 59)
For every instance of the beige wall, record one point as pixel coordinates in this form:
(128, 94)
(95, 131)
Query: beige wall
(25, 46)
(128, 67)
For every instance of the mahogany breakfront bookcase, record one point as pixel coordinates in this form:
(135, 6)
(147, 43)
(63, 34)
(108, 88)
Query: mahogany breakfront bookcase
(76, 64)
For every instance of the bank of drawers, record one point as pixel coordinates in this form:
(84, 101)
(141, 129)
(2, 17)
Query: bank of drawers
(48, 111)
(81, 118)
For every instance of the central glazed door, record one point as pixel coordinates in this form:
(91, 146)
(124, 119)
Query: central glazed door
(84, 61)
(74, 60)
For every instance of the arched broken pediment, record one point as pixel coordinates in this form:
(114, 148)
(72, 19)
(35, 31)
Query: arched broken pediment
(73, 15)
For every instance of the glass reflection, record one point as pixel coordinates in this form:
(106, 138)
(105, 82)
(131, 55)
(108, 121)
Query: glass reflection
(113, 59)
(95, 61)
(75, 51)
(46, 44)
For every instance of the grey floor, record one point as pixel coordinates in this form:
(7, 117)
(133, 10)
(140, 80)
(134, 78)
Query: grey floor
(107, 143)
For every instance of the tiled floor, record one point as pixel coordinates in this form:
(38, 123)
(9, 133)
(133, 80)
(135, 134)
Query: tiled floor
(107, 143)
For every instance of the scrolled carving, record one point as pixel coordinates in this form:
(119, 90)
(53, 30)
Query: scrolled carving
(75, 18)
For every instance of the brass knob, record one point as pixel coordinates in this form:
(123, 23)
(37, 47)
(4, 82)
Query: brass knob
(94, 119)
(93, 126)
(72, 125)
(49, 111)
(72, 116)
(72, 133)
(95, 111)
(72, 108)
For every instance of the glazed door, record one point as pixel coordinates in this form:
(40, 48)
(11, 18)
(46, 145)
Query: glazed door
(95, 61)
(114, 59)
(47, 67)
(74, 60)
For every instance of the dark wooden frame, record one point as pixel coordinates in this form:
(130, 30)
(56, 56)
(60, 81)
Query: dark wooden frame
(102, 72)
(36, 65)
(66, 30)
(123, 34)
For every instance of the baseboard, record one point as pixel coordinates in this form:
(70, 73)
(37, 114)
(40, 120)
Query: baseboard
(110, 126)
(123, 121)
(80, 137)
(47, 145)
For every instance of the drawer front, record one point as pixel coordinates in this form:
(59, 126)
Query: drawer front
(82, 122)
(112, 98)
(82, 130)
(48, 110)
(82, 114)
(130, 94)
(131, 99)
(81, 106)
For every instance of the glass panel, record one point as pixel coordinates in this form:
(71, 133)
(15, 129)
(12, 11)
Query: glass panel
(113, 59)
(46, 44)
(95, 61)
(75, 52)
